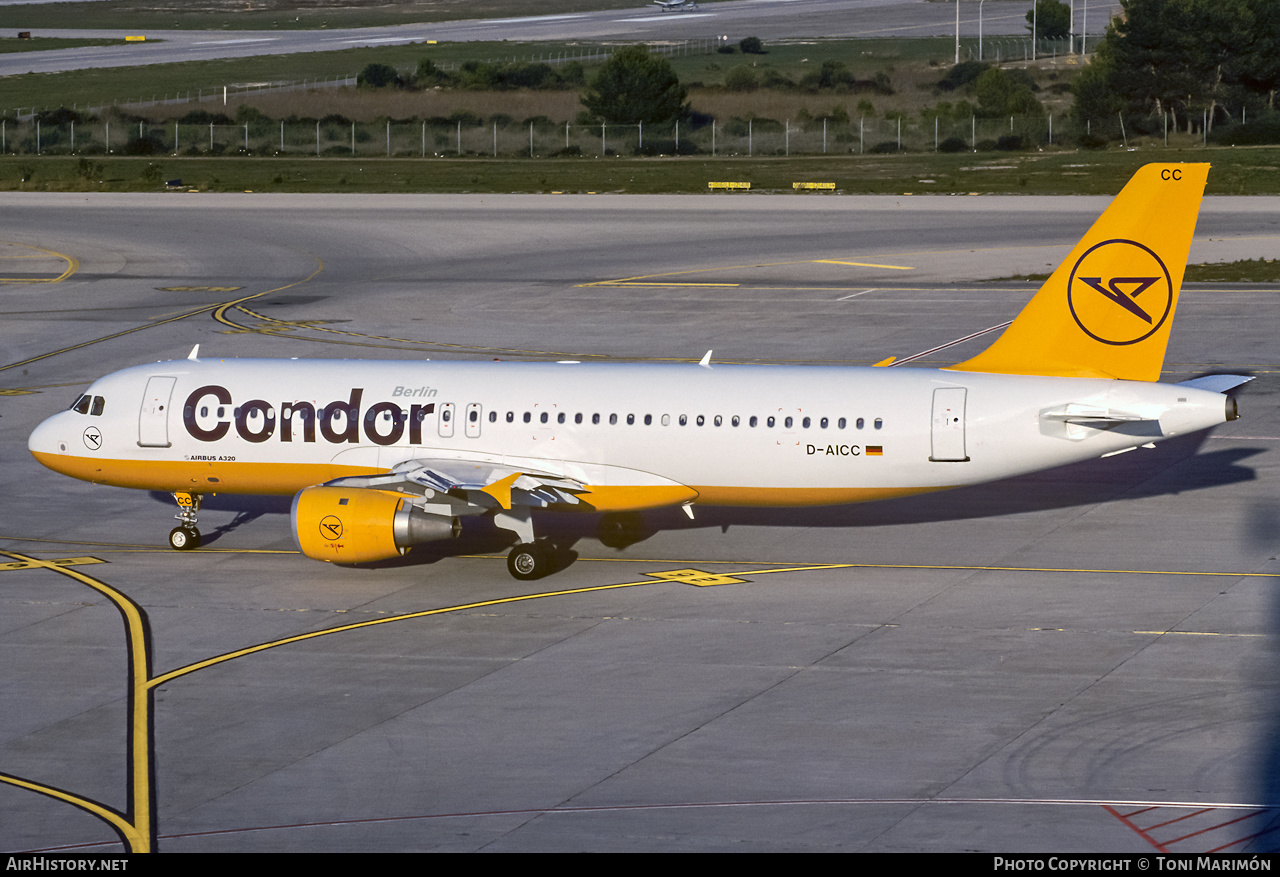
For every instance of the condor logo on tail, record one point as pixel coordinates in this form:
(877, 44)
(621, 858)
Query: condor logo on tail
(1118, 317)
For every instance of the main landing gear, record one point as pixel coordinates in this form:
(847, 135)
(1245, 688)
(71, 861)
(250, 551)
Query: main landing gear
(531, 560)
(185, 536)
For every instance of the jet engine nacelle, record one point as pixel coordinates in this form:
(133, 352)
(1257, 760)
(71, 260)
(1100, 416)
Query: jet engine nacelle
(359, 524)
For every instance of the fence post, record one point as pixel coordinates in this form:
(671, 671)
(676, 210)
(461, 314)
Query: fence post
(459, 137)
(388, 138)
(750, 147)
(424, 139)
(353, 138)
(317, 138)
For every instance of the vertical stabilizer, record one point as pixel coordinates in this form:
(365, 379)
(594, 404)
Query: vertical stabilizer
(1107, 311)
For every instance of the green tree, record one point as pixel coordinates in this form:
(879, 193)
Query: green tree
(1184, 56)
(1052, 19)
(633, 86)
(751, 46)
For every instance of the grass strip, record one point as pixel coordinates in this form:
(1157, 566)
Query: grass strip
(1237, 171)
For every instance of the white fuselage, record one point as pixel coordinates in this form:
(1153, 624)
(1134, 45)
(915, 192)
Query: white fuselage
(735, 434)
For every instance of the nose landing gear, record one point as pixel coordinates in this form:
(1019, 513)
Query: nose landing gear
(185, 536)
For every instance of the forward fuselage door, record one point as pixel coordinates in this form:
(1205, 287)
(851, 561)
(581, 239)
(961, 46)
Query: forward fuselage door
(445, 419)
(153, 418)
(947, 431)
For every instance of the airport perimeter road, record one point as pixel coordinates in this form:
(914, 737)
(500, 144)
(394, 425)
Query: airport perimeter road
(1081, 660)
(767, 19)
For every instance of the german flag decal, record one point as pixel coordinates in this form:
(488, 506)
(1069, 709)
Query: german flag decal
(875, 450)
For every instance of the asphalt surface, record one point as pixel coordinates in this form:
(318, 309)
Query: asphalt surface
(1065, 662)
(767, 19)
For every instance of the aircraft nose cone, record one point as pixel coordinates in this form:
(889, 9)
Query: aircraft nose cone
(50, 439)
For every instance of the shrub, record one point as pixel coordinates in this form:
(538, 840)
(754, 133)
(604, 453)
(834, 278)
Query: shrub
(378, 76)
(953, 144)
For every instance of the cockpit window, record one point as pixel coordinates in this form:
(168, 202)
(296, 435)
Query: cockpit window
(98, 404)
(81, 405)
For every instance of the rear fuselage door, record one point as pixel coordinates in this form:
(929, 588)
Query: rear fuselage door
(947, 430)
(153, 418)
(445, 419)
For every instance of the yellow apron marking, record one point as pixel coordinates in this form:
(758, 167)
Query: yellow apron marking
(72, 264)
(863, 264)
(135, 825)
(46, 564)
(696, 577)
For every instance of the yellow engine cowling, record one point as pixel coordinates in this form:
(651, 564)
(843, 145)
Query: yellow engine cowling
(359, 524)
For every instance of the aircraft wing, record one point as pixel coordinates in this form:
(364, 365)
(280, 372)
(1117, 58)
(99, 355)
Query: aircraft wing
(472, 487)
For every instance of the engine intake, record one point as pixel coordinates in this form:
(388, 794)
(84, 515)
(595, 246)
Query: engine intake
(359, 524)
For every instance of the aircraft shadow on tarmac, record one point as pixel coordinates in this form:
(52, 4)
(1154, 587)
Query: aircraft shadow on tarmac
(1171, 468)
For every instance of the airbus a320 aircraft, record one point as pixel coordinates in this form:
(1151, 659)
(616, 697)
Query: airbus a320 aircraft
(381, 456)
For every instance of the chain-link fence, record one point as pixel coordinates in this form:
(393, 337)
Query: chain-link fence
(533, 138)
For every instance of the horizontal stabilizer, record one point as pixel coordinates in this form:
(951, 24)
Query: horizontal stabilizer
(1217, 383)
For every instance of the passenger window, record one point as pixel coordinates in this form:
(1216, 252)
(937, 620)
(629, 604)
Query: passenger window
(648, 419)
(527, 417)
(511, 416)
(823, 423)
(840, 423)
(858, 423)
(473, 416)
(769, 423)
(735, 420)
(577, 418)
(446, 415)
(631, 420)
(666, 420)
(684, 419)
(613, 420)
(805, 423)
(560, 417)
(493, 417)
(719, 420)
(701, 420)
(787, 423)
(595, 418)
(753, 421)
(879, 423)
(543, 418)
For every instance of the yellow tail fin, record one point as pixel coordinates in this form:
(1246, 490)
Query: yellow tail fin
(1106, 312)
